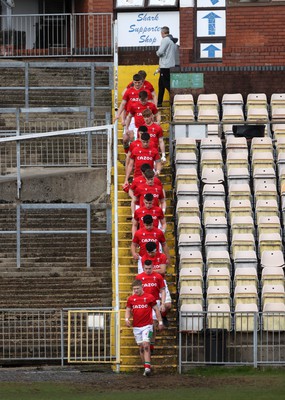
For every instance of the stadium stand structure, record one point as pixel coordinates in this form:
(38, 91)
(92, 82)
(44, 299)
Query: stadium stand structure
(241, 260)
(53, 265)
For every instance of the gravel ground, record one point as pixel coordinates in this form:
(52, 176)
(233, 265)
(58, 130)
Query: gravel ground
(108, 381)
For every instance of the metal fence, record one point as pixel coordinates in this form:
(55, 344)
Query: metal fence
(49, 83)
(58, 334)
(59, 223)
(78, 147)
(92, 336)
(231, 338)
(56, 35)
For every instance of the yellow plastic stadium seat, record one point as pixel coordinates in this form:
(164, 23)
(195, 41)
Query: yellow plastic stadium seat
(245, 259)
(191, 259)
(245, 276)
(245, 314)
(238, 176)
(272, 258)
(245, 295)
(216, 242)
(211, 144)
(272, 294)
(213, 192)
(191, 276)
(218, 259)
(189, 224)
(192, 318)
(219, 316)
(212, 175)
(272, 276)
(189, 242)
(214, 208)
(216, 225)
(186, 191)
(185, 160)
(191, 295)
(218, 277)
(273, 317)
(218, 295)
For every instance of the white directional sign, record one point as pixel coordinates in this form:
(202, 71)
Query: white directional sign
(211, 3)
(211, 50)
(211, 23)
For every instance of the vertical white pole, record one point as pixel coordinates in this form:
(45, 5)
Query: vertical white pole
(115, 158)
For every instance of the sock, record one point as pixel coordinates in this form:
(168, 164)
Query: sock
(152, 346)
(147, 365)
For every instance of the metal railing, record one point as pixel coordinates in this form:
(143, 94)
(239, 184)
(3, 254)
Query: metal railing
(58, 335)
(231, 338)
(56, 35)
(77, 147)
(91, 336)
(35, 220)
(41, 83)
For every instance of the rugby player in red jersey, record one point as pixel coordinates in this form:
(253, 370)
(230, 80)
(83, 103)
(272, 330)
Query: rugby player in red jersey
(147, 234)
(149, 187)
(153, 283)
(139, 156)
(140, 306)
(148, 209)
(159, 262)
(155, 131)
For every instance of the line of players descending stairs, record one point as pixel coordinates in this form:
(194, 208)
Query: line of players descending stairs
(166, 352)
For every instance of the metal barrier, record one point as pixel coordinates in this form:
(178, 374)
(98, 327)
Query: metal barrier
(58, 334)
(231, 338)
(92, 336)
(25, 218)
(26, 80)
(77, 147)
(56, 35)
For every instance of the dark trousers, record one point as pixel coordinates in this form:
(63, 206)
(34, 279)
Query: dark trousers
(163, 83)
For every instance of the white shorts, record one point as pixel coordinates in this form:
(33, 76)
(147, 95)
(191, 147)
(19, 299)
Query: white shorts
(143, 334)
(153, 312)
(167, 293)
(133, 128)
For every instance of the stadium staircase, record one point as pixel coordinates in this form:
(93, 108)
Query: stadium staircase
(165, 357)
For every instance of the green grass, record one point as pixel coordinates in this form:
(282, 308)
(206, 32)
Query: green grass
(208, 384)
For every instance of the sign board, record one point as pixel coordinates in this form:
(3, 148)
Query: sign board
(211, 3)
(140, 29)
(211, 50)
(211, 23)
(186, 81)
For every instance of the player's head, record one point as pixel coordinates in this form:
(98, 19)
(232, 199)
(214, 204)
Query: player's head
(148, 222)
(145, 137)
(137, 81)
(151, 248)
(142, 73)
(145, 167)
(148, 267)
(141, 129)
(148, 116)
(148, 200)
(149, 176)
(143, 97)
(137, 287)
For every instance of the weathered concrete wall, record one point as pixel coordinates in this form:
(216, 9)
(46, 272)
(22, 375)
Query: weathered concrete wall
(72, 185)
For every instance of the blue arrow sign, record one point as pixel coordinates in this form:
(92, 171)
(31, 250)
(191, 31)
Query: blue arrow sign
(214, 2)
(211, 23)
(211, 50)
